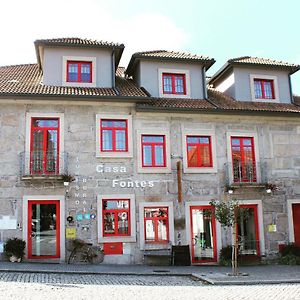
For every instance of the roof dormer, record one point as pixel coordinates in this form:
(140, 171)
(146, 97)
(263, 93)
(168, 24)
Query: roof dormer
(169, 74)
(255, 79)
(78, 62)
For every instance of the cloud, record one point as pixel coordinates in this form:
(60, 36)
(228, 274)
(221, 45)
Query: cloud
(22, 22)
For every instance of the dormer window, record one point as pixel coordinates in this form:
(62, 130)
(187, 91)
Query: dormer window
(174, 84)
(79, 71)
(264, 89)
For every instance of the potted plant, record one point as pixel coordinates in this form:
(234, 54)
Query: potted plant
(14, 249)
(67, 178)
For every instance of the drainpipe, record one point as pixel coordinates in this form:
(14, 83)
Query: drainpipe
(204, 83)
(113, 76)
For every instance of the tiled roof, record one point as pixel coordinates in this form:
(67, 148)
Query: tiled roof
(77, 42)
(168, 55)
(217, 102)
(25, 80)
(248, 60)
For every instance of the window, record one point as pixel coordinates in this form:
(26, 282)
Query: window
(174, 83)
(264, 89)
(116, 217)
(79, 71)
(156, 224)
(114, 135)
(243, 159)
(199, 152)
(153, 151)
(44, 146)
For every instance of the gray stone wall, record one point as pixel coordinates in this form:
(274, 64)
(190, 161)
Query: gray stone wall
(278, 138)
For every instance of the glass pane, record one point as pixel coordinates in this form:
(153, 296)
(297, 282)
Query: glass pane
(268, 90)
(235, 142)
(37, 152)
(149, 230)
(109, 223)
(192, 156)
(202, 234)
(257, 89)
(162, 230)
(155, 212)
(120, 140)
(44, 229)
(123, 227)
(147, 156)
(107, 144)
(85, 72)
(152, 139)
(51, 151)
(115, 204)
(246, 231)
(159, 155)
(44, 123)
(167, 84)
(192, 140)
(179, 84)
(73, 72)
(204, 140)
(205, 155)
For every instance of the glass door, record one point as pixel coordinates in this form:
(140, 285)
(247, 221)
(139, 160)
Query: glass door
(203, 234)
(43, 229)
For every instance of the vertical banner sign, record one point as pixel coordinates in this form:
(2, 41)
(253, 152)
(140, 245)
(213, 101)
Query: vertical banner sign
(178, 164)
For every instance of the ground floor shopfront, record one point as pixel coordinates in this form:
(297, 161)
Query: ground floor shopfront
(126, 227)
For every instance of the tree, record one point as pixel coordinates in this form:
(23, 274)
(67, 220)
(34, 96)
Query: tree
(226, 213)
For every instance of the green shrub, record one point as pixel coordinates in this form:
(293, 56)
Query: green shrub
(225, 256)
(290, 259)
(14, 247)
(290, 249)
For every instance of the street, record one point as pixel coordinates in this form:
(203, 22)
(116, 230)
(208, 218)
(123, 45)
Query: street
(23, 286)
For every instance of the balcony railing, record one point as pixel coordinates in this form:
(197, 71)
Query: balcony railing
(43, 164)
(243, 173)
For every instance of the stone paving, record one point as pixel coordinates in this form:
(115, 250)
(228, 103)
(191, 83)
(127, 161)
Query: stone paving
(23, 286)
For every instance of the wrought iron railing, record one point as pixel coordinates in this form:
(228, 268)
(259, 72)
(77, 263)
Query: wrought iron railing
(251, 172)
(43, 163)
(248, 247)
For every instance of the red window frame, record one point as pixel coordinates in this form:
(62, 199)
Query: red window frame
(44, 159)
(199, 146)
(254, 207)
(116, 211)
(114, 139)
(79, 63)
(156, 219)
(153, 144)
(173, 82)
(242, 161)
(262, 86)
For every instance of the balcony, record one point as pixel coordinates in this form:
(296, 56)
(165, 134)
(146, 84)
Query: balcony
(246, 174)
(39, 165)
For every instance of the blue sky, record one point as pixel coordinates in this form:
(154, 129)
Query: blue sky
(216, 28)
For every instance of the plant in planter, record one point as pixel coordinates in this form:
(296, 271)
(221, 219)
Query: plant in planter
(67, 178)
(14, 249)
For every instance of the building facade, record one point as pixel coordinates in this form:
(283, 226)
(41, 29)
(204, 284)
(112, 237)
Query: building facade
(148, 148)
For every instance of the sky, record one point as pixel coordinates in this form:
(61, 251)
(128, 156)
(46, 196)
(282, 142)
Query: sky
(215, 28)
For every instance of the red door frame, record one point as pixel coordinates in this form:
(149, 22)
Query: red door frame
(255, 208)
(29, 232)
(213, 221)
(296, 222)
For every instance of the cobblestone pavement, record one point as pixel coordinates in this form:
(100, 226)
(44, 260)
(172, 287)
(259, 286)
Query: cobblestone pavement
(25, 286)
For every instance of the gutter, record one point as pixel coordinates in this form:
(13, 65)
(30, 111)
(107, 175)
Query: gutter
(113, 67)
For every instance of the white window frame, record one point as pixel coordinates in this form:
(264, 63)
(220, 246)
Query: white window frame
(129, 152)
(196, 132)
(29, 117)
(109, 239)
(266, 77)
(169, 205)
(93, 60)
(154, 131)
(61, 200)
(253, 135)
(174, 71)
(290, 202)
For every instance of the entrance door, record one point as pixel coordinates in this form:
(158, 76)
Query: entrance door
(43, 229)
(296, 221)
(248, 232)
(203, 234)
